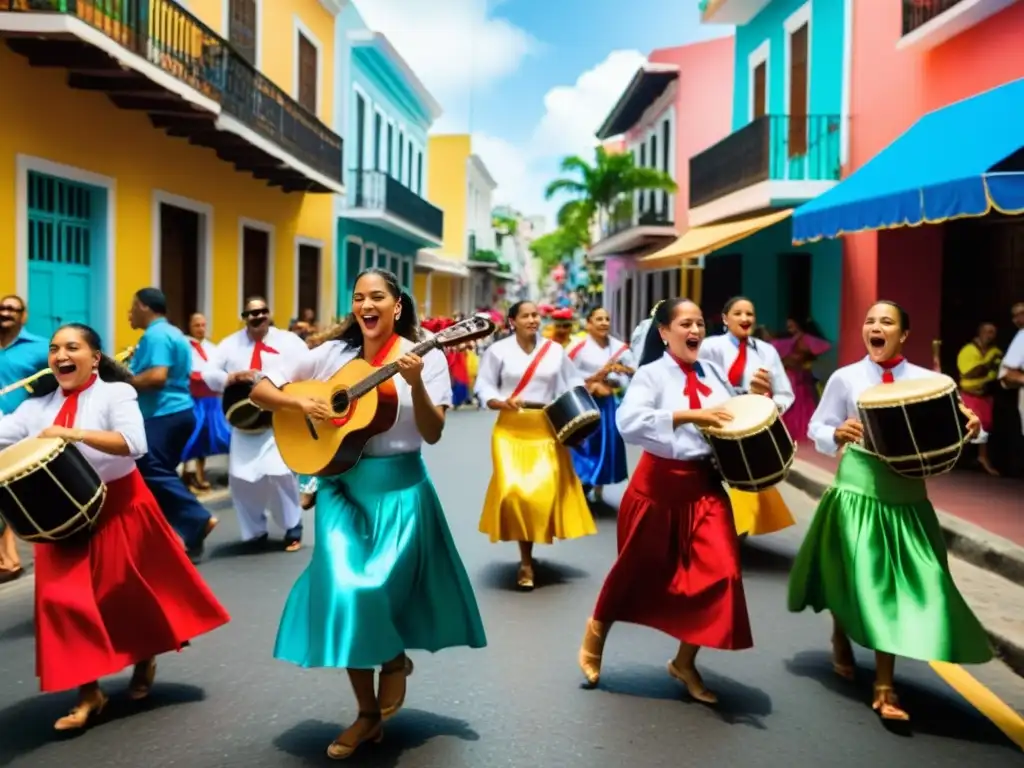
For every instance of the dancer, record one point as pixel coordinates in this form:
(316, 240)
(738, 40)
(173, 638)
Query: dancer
(874, 555)
(128, 592)
(385, 577)
(212, 435)
(257, 475)
(534, 495)
(607, 364)
(746, 360)
(798, 351)
(678, 568)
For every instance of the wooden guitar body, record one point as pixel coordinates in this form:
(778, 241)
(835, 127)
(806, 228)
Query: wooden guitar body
(340, 441)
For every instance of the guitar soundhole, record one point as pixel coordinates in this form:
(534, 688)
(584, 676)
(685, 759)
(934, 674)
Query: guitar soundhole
(340, 401)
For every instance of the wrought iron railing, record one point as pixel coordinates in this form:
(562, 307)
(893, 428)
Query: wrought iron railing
(379, 191)
(772, 147)
(654, 217)
(167, 35)
(917, 13)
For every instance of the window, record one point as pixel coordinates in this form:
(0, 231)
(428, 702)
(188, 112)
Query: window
(390, 149)
(378, 126)
(760, 90)
(798, 92)
(656, 196)
(307, 65)
(408, 164)
(398, 159)
(242, 28)
(360, 185)
(353, 264)
(255, 263)
(419, 174)
(308, 289)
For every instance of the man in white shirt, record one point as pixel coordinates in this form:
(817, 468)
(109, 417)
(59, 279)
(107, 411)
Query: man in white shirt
(1011, 373)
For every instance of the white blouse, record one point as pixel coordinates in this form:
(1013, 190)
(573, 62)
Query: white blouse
(234, 354)
(590, 357)
(324, 361)
(1013, 360)
(504, 363)
(839, 400)
(723, 350)
(105, 406)
(645, 416)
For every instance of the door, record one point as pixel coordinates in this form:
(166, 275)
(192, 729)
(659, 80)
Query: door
(722, 279)
(255, 264)
(179, 263)
(66, 228)
(242, 28)
(760, 90)
(309, 279)
(308, 85)
(795, 286)
(798, 61)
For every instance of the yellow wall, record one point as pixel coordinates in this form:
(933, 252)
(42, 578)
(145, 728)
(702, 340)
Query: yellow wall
(38, 107)
(447, 188)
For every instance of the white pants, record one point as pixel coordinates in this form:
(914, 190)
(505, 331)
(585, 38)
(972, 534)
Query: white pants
(278, 494)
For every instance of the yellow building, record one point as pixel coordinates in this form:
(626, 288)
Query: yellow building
(459, 182)
(140, 148)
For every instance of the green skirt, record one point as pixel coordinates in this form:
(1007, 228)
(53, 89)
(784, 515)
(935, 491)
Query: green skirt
(875, 557)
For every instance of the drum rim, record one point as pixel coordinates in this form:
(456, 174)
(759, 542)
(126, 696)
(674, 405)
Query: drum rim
(749, 431)
(949, 387)
(575, 424)
(234, 407)
(58, 449)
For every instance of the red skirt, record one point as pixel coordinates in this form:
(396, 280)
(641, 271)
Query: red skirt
(124, 595)
(982, 407)
(678, 568)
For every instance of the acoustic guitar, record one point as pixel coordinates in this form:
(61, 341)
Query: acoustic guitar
(365, 403)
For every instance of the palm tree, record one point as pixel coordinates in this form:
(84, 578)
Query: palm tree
(604, 190)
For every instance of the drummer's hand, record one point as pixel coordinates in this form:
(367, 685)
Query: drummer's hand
(711, 417)
(850, 431)
(315, 408)
(973, 422)
(761, 382)
(599, 389)
(410, 367)
(71, 435)
(513, 404)
(237, 376)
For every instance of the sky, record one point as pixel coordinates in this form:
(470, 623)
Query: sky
(531, 80)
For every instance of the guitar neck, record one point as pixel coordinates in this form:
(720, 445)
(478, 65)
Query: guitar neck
(385, 372)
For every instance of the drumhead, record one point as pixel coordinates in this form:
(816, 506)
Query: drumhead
(751, 414)
(906, 391)
(25, 454)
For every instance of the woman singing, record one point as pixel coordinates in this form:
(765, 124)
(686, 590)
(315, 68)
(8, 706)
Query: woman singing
(874, 555)
(746, 360)
(678, 568)
(607, 364)
(534, 496)
(385, 577)
(128, 592)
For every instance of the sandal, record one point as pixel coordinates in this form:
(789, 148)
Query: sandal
(524, 578)
(842, 658)
(887, 704)
(84, 711)
(142, 680)
(591, 653)
(345, 745)
(391, 689)
(694, 683)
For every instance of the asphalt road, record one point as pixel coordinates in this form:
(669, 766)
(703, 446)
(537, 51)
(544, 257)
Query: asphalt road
(519, 702)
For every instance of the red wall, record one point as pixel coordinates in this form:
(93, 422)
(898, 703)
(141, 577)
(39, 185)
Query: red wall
(889, 90)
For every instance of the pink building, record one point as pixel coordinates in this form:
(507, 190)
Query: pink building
(678, 104)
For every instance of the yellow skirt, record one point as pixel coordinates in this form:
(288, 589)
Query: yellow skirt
(534, 493)
(759, 513)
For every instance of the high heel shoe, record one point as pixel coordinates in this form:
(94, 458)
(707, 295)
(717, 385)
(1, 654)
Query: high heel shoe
(591, 653)
(524, 578)
(391, 689)
(887, 704)
(83, 712)
(694, 683)
(345, 745)
(142, 680)
(842, 658)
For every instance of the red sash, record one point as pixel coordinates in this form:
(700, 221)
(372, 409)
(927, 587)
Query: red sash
(198, 347)
(532, 369)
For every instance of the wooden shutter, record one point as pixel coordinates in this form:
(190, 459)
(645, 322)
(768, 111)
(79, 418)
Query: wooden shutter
(798, 93)
(760, 90)
(255, 263)
(307, 74)
(242, 28)
(309, 279)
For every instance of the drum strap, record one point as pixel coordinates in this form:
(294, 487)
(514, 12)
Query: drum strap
(532, 369)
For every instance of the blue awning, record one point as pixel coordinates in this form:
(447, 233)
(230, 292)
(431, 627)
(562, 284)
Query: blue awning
(949, 164)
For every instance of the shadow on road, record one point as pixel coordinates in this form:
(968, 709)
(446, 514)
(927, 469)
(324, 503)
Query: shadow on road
(28, 725)
(759, 559)
(502, 575)
(20, 631)
(931, 712)
(410, 729)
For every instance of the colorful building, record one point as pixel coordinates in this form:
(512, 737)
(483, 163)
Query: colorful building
(146, 144)
(967, 265)
(789, 138)
(385, 218)
(677, 104)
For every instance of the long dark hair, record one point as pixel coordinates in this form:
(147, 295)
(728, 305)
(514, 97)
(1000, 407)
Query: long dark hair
(407, 325)
(654, 347)
(108, 369)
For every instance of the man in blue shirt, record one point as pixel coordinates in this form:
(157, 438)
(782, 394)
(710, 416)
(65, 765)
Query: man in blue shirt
(161, 366)
(21, 354)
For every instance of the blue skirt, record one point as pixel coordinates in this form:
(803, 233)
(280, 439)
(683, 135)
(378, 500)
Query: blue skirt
(384, 576)
(601, 459)
(460, 394)
(212, 435)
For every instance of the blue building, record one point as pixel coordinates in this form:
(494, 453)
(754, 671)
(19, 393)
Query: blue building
(789, 142)
(384, 218)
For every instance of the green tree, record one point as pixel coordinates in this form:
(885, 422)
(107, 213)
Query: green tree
(557, 246)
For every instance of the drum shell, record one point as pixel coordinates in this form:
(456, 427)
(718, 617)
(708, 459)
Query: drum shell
(59, 501)
(919, 439)
(755, 462)
(574, 416)
(241, 412)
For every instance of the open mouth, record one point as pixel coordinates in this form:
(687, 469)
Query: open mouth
(876, 342)
(66, 368)
(693, 343)
(746, 326)
(370, 321)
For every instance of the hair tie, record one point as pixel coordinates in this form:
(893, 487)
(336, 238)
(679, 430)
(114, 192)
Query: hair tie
(653, 311)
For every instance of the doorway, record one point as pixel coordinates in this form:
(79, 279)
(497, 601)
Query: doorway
(794, 288)
(255, 264)
(308, 278)
(180, 248)
(722, 279)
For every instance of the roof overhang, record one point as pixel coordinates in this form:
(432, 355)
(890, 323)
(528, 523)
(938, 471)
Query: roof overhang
(380, 48)
(646, 87)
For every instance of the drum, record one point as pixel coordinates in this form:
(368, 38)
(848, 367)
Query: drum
(48, 491)
(754, 451)
(241, 412)
(914, 425)
(574, 416)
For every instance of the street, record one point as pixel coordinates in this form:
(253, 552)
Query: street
(226, 702)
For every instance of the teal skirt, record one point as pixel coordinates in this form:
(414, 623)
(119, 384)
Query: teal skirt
(875, 557)
(384, 576)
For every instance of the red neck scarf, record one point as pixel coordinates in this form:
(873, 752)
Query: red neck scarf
(739, 365)
(887, 366)
(256, 362)
(69, 408)
(694, 386)
(382, 356)
(198, 347)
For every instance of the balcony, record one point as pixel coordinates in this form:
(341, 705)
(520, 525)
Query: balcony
(737, 12)
(377, 198)
(775, 161)
(929, 23)
(637, 233)
(153, 56)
